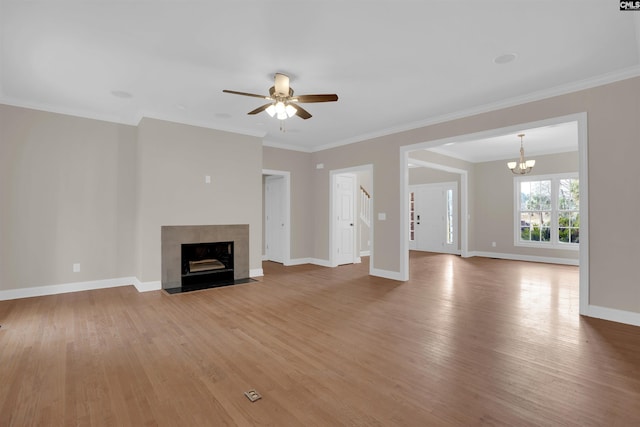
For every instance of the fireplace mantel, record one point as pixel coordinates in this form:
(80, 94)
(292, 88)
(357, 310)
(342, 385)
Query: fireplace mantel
(173, 236)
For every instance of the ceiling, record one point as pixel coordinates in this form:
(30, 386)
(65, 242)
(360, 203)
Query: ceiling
(552, 139)
(395, 64)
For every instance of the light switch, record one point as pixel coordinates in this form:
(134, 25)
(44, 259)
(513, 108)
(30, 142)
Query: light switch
(76, 267)
(382, 216)
(207, 179)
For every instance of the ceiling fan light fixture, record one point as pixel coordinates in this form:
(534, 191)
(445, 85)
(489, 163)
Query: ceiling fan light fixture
(281, 115)
(271, 110)
(290, 110)
(280, 108)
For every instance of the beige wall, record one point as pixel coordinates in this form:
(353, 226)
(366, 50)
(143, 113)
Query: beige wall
(302, 212)
(67, 182)
(383, 153)
(67, 195)
(494, 194)
(173, 162)
(613, 135)
(75, 190)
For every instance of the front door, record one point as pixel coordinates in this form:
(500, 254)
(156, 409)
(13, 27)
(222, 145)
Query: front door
(435, 213)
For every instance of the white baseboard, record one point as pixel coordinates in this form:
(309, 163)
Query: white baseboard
(321, 262)
(147, 286)
(66, 288)
(265, 258)
(256, 272)
(393, 275)
(612, 314)
(517, 257)
(365, 253)
(298, 261)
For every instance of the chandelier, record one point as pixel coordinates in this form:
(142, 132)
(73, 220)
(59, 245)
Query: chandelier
(522, 166)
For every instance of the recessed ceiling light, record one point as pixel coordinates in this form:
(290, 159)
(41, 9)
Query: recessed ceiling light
(121, 94)
(505, 58)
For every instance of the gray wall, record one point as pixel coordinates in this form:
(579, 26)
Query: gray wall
(613, 135)
(67, 182)
(67, 195)
(494, 194)
(173, 162)
(75, 190)
(302, 212)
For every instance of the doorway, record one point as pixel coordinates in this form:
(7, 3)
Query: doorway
(276, 207)
(350, 226)
(580, 119)
(434, 217)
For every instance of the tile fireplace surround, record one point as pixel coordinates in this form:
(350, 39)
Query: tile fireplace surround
(173, 236)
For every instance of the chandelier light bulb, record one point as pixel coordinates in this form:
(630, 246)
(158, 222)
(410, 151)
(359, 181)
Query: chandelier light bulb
(291, 110)
(522, 166)
(271, 110)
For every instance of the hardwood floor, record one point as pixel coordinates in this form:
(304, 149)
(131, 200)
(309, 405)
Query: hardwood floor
(466, 342)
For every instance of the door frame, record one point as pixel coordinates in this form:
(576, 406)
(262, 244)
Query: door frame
(286, 209)
(332, 222)
(453, 248)
(270, 228)
(581, 119)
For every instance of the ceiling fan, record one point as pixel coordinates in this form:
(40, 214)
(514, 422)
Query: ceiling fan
(282, 102)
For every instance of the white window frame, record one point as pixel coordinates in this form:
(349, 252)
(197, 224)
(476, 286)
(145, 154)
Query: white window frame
(554, 242)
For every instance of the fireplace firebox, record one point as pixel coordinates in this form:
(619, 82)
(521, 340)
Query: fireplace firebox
(207, 264)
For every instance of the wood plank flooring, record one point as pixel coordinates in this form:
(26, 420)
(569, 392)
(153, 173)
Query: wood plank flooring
(465, 342)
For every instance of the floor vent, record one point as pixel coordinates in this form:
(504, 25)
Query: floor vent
(252, 395)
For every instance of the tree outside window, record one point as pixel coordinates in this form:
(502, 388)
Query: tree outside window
(548, 211)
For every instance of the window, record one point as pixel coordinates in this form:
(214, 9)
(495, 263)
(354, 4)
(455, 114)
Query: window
(449, 196)
(547, 211)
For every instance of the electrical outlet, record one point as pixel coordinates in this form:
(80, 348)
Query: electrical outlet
(493, 244)
(76, 267)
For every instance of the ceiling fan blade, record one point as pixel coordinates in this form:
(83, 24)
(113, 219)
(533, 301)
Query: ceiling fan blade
(329, 97)
(260, 109)
(282, 84)
(245, 94)
(301, 112)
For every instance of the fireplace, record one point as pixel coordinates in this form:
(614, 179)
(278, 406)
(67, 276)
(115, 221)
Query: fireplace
(207, 263)
(204, 256)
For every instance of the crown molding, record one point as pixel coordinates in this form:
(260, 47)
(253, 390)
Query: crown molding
(579, 85)
(6, 100)
(589, 83)
(130, 121)
(199, 123)
(273, 144)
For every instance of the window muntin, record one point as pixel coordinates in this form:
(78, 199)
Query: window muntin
(547, 211)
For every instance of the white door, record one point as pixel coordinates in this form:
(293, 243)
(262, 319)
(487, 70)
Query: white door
(436, 216)
(344, 213)
(274, 221)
